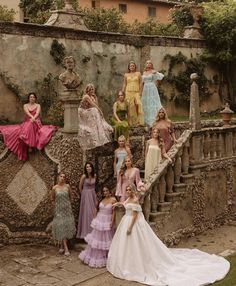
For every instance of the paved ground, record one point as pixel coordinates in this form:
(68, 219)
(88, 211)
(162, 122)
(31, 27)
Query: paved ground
(28, 265)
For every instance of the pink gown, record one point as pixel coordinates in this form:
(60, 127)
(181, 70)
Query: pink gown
(125, 180)
(99, 240)
(18, 138)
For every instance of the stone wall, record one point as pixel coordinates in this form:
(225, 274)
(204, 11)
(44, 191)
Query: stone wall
(102, 58)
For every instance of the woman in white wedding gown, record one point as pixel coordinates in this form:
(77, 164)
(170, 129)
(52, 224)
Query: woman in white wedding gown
(137, 254)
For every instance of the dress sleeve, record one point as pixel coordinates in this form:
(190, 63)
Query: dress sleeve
(136, 207)
(158, 76)
(138, 180)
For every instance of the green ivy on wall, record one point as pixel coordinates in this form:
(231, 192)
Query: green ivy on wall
(57, 51)
(181, 81)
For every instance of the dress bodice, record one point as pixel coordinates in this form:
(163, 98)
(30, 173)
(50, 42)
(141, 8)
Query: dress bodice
(130, 207)
(152, 78)
(132, 82)
(121, 110)
(105, 209)
(121, 154)
(89, 183)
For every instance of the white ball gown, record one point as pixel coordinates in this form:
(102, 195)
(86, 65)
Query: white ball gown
(142, 257)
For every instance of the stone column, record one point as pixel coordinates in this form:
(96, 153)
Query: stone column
(70, 100)
(194, 116)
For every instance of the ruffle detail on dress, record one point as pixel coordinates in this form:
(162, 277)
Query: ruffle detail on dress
(99, 240)
(101, 226)
(94, 257)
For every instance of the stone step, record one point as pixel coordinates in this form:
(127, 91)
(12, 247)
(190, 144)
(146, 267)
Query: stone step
(164, 207)
(173, 197)
(153, 217)
(187, 179)
(180, 188)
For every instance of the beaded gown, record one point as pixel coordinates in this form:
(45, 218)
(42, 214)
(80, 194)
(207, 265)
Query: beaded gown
(88, 204)
(121, 128)
(63, 224)
(120, 154)
(18, 138)
(132, 96)
(93, 131)
(125, 180)
(150, 97)
(142, 257)
(99, 240)
(152, 160)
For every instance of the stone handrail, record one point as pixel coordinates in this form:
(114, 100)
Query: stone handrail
(163, 178)
(193, 148)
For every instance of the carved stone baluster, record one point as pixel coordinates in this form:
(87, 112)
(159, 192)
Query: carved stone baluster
(162, 189)
(154, 198)
(213, 146)
(222, 144)
(170, 179)
(146, 207)
(185, 160)
(218, 146)
(177, 168)
(196, 152)
(229, 144)
(206, 146)
(234, 143)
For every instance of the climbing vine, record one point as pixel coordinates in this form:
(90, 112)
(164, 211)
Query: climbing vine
(181, 81)
(57, 51)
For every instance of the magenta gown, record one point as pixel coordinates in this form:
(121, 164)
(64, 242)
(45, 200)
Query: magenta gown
(99, 240)
(88, 206)
(18, 138)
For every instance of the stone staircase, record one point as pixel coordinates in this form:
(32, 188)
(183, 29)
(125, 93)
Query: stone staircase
(180, 194)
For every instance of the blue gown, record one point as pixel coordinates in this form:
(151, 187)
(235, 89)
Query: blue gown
(150, 97)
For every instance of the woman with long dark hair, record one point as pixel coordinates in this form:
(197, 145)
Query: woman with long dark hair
(30, 134)
(88, 202)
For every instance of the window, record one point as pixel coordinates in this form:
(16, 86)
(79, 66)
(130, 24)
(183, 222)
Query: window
(93, 3)
(152, 12)
(123, 8)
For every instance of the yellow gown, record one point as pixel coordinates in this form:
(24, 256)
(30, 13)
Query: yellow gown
(132, 96)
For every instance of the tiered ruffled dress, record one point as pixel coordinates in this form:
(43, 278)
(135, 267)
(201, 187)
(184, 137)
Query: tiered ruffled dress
(99, 240)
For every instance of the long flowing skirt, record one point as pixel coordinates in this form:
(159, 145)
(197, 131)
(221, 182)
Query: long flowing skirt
(142, 257)
(93, 130)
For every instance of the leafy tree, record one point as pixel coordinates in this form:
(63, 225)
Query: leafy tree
(107, 20)
(6, 14)
(38, 11)
(219, 30)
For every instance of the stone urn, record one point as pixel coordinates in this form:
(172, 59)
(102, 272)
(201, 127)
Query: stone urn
(196, 12)
(193, 31)
(226, 115)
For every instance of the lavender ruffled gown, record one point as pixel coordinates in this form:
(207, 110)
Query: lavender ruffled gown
(99, 240)
(87, 210)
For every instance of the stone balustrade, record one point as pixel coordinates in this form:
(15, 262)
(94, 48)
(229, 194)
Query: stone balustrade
(169, 182)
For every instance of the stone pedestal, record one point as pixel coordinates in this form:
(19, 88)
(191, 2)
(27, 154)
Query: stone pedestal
(194, 116)
(70, 100)
(192, 32)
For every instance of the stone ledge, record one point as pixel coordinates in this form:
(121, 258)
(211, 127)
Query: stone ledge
(37, 30)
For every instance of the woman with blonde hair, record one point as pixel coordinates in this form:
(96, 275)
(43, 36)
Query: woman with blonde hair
(93, 131)
(150, 96)
(137, 254)
(128, 175)
(154, 151)
(120, 153)
(165, 127)
(132, 89)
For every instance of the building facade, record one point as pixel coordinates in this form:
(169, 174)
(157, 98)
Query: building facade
(132, 10)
